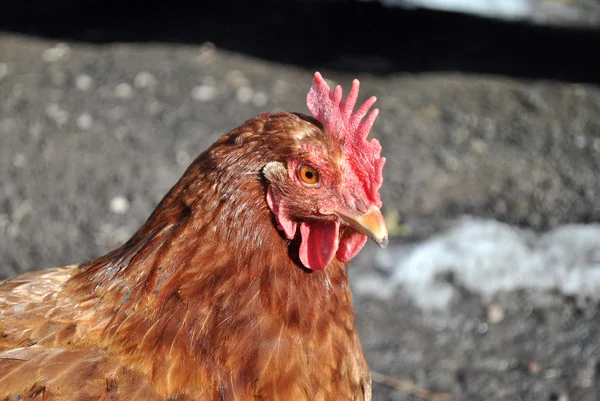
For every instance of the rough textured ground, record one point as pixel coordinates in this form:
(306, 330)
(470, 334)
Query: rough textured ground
(92, 136)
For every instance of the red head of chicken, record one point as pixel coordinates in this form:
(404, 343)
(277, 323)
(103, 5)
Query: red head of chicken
(339, 190)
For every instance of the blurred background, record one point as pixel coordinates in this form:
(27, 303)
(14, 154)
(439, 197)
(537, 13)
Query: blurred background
(490, 121)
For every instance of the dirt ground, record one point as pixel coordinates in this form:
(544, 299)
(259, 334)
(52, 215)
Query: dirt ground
(92, 135)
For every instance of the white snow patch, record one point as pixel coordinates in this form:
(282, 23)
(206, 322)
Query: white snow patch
(510, 9)
(487, 257)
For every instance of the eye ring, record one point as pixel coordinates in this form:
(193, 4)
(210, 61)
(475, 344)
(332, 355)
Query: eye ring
(308, 175)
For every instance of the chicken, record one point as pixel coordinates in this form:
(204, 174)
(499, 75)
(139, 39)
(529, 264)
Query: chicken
(235, 288)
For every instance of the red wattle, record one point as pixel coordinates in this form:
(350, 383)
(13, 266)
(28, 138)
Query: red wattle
(287, 225)
(350, 245)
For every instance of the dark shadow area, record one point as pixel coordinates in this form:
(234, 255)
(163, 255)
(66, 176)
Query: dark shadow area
(346, 36)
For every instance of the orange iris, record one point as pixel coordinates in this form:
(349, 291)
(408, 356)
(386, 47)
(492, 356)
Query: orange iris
(308, 174)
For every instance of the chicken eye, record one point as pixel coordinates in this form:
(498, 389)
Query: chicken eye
(308, 174)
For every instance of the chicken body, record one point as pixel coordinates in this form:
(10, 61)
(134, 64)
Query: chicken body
(207, 301)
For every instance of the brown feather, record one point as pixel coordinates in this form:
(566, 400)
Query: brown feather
(207, 301)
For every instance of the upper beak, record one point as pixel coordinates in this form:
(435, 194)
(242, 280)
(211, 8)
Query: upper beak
(372, 224)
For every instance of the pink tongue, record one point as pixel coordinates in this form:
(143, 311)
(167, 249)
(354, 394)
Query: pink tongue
(350, 245)
(319, 243)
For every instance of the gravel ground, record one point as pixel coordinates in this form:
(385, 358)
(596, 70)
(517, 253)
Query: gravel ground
(93, 135)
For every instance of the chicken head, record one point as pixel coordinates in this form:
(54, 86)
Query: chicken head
(326, 193)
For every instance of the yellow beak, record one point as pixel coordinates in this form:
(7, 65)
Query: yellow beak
(372, 224)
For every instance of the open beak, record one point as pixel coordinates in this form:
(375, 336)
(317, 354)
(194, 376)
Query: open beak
(372, 224)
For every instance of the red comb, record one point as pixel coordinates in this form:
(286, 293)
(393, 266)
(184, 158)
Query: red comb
(340, 120)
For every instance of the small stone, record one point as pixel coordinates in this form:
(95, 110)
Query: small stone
(56, 113)
(144, 79)
(56, 53)
(19, 160)
(580, 141)
(3, 70)
(451, 163)
(13, 230)
(183, 158)
(207, 47)
(22, 211)
(84, 121)
(470, 119)
(123, 90)
(84, 82)
(495, 314)
(119, 205)
(478, 146)
(459, 135)
(237, 79)
(431, 111)
(204, 93)
(244, 94)
(533, 368)
(260, 99)
(206, 52)
(482, 328)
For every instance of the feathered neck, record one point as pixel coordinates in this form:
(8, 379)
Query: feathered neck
(209, 267)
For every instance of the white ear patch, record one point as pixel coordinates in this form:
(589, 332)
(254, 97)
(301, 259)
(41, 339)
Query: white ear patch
(275, 172)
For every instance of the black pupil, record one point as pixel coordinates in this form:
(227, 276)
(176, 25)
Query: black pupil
(309, 174)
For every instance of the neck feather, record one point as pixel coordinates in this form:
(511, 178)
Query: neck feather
(209, 267)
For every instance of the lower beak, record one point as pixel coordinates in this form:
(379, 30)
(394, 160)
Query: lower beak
(372, 224)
